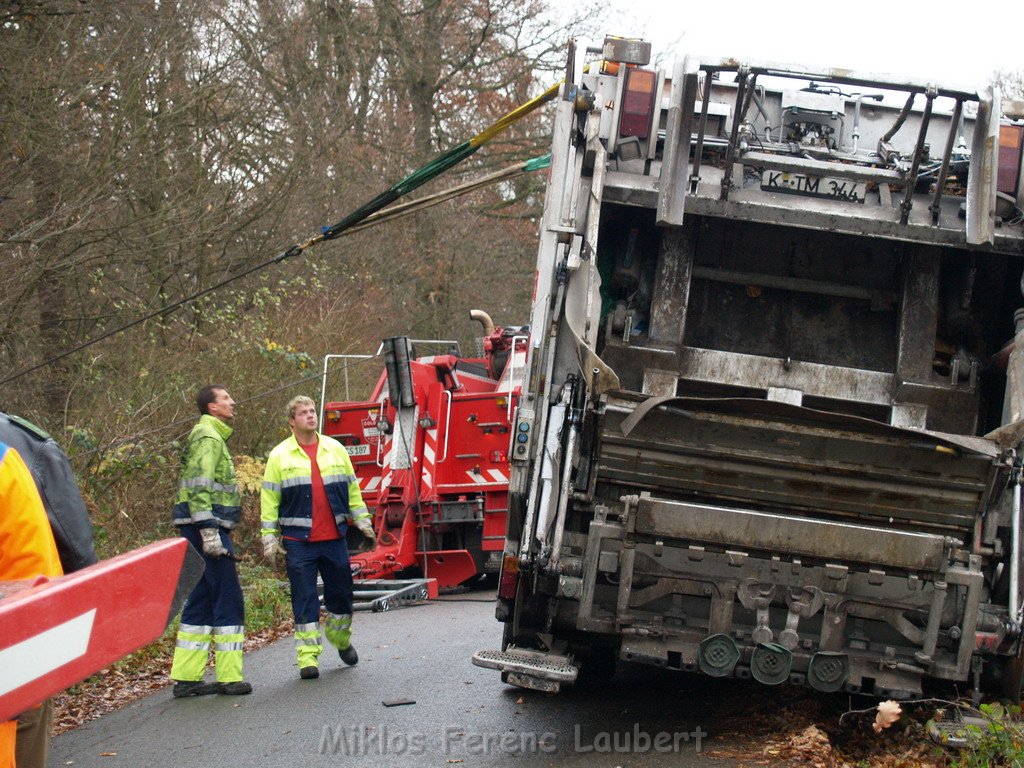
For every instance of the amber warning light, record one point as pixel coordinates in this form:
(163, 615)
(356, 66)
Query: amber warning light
(508, 582)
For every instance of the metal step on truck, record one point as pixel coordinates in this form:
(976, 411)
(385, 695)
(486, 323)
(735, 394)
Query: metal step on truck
(770, 422)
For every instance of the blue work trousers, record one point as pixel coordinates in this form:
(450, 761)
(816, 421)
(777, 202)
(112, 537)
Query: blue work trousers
(216, 601)
(305, 559)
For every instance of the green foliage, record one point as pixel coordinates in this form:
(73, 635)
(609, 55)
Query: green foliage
(1000, 742)
(294, 357)
(200, 167)
(267, 603)
(249, 475)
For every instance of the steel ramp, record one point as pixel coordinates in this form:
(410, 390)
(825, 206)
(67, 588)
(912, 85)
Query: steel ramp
(378, 595)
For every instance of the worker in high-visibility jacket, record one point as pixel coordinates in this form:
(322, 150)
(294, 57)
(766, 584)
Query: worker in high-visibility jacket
(310, 494)
(72, 532)
(27, 548)
(206, 509)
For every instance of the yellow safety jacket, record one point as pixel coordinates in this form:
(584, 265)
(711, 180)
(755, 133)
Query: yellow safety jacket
(286, 502)
(208, 491)
(27, 548)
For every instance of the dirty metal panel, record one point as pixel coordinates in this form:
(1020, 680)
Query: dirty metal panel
(774, 456)
(765, 532)
(714, 366)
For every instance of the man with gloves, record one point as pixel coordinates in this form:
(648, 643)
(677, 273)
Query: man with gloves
(207, 507)
(310, 496)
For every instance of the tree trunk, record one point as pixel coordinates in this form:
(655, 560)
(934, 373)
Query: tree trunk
(52, 290)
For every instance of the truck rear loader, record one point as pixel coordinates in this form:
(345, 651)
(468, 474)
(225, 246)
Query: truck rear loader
(770, 420)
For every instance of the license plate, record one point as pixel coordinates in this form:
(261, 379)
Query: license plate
(358, 450)
(813, 186)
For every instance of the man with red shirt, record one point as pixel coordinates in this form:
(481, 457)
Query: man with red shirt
(310, 495)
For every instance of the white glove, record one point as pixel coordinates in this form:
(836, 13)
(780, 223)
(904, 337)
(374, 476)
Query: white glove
(365, 524)
(211, 542)
(271, 546)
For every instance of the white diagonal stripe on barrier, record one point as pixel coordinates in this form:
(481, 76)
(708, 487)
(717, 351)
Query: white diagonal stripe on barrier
(498, 475)
(49, 650)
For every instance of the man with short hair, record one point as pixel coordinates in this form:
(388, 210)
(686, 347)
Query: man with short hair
(310, 494)
(207, 507)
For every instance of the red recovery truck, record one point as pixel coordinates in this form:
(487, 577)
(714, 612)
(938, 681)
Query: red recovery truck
(430, 447)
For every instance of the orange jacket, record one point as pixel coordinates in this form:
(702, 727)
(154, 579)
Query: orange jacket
(27, 548)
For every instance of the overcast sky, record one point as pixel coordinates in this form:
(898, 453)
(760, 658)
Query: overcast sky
(959, 43)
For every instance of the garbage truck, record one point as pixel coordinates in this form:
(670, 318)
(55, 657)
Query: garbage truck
(771, 416)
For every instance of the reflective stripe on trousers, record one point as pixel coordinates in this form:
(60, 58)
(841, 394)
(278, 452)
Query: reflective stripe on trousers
(213, 614)
(227, 652)
(307, 644)
(338, 629)
(190, 652)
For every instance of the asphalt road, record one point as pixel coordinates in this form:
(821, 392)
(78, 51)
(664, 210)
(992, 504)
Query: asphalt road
(462, 714)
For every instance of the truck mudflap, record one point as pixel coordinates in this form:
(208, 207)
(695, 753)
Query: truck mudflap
(526, 668)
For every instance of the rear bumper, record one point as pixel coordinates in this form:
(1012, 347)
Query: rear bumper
(777, 597)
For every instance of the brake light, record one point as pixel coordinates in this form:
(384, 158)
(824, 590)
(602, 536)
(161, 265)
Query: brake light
(1011, 140)
(638, 102)
(332, 415)
(508, 583)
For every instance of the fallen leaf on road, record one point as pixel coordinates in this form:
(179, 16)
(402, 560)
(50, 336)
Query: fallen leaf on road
(888, 713)
(108, 754)
(521, 700)
(811, 747)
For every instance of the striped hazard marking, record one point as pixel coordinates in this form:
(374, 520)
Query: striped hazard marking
(369, 484)
(429, 458)
(495, 476)
(41, 654)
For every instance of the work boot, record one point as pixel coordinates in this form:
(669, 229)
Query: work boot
(239, 688)
(309, 673)
(349, 655)
(185, 688)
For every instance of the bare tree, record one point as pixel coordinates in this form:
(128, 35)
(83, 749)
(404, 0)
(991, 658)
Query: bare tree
(153, 149)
